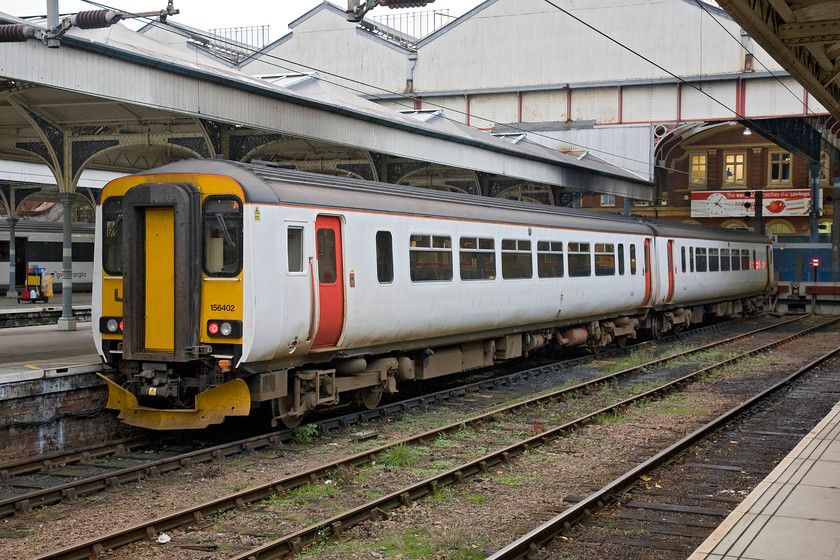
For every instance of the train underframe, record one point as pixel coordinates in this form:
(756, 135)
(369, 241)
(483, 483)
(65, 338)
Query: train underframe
(205, 391)
(368, 378)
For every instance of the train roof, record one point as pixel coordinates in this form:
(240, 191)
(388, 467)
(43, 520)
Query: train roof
(264, 183)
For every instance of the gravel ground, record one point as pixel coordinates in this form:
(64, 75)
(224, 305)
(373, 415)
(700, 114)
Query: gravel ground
(469, 520)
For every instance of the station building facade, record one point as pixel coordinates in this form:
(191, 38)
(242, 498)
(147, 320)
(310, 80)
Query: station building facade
(663, 88)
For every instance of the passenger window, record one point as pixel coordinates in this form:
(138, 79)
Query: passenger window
(327, 261)
(516, 258)
(633, 260)
(478, 258)
(580, 260)
(724, 260)
(222, 236)
(430, 258)
(691, 259)
(112, 235)
(682, 258)
(701, 259)
(714, 264)
(384, 257)
(745, 259)
(294, 248)
(621, 259)
(604, 259)
(550, 259)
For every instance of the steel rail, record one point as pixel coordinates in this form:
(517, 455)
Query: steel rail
(71, 491)
(529, 543)
(46, 463)
(240, 499)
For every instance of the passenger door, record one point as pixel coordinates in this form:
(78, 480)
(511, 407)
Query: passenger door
(330, 281)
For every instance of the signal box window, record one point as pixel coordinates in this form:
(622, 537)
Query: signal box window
(112, 236)
(550, 259)
(294, 248)
(734, 169)
(714, 264)
(701, 259)
(698, 169)
(327, 258)
(384, 257)
(604, 259)
(780, 168)
(516, 258)
(430, 258)
(478, 258)
(222, 236)
(580, 260)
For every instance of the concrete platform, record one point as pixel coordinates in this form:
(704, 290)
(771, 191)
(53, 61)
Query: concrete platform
(794, 512)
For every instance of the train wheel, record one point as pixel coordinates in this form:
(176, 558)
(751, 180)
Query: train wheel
(656, 327)
(280, 409)
(368, 397)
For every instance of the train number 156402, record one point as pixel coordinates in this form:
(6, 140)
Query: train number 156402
(222, 307)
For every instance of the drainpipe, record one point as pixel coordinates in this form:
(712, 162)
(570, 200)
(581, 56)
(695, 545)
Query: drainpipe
(52, 23)
(815, 202)
(409, 79)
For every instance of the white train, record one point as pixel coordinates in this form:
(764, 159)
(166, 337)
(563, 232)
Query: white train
(221, 287)
(39, 244)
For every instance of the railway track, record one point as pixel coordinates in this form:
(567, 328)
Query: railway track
(44, 481)
(669, 504)
(401, 496)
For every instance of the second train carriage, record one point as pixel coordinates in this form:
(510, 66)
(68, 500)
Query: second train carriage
(220, 287)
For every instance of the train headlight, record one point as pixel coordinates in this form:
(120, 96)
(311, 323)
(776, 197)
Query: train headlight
(111, 325)
(224, 328)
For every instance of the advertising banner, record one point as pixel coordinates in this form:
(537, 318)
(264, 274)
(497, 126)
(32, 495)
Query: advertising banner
(738, 204)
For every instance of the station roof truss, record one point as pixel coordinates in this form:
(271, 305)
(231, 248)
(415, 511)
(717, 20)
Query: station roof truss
(802, 35)
(116, 100)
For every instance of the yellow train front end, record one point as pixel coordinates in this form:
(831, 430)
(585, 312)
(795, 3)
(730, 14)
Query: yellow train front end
(168, 293)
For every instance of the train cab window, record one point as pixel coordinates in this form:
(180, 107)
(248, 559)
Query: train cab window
(745, 259)
(222, 236)
(580, 259)
(327, 257)
(112, 236)
(700, 253)
(550, 259)
(516, 259)
(477, 258)
(724, 260)
(682, 258)
(604, 259)
(621, 259)
(633, 260)
(384, 257)
(294, 248)
(691, 259)
(430, 258)
(714, 260)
